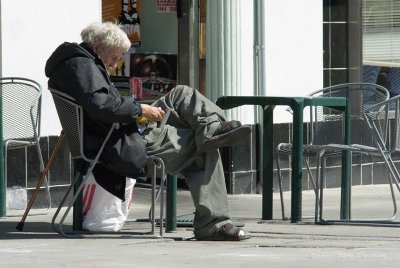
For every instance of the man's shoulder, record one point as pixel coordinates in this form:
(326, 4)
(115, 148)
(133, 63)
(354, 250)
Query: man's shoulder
(80, 61)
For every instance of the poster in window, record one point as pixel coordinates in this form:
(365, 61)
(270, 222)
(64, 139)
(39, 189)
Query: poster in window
(152, 75)
(127, 13)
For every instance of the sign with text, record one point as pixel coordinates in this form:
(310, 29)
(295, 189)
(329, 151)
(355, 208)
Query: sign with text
(165, 6)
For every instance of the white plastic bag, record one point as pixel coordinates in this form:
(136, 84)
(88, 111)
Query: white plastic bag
(102, 211)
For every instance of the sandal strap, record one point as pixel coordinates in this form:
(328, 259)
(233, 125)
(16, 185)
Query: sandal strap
(218, 226)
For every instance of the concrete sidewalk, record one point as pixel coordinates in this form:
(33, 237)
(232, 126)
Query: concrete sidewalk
(275, 243)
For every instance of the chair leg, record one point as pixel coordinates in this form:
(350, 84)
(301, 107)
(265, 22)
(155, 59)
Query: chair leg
(47, 175)
(61, 205)
(310, 174)
(319, 187)
(157, 162)
(368, 222)
(393, 171)
(317, 194)
(80, 187)
(322, 174)
(393, 178)
(393, 197)
(40, 182)
(162, 189)
(280, 180)
(153, 199)
(278, 167)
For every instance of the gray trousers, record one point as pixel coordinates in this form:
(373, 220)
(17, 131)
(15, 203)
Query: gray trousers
(190, 117)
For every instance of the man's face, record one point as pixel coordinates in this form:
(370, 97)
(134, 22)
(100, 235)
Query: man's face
(110, 56)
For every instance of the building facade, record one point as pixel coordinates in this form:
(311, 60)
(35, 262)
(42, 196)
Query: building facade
(222, 47)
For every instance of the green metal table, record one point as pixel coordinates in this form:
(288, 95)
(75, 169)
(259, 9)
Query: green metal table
(297, 104)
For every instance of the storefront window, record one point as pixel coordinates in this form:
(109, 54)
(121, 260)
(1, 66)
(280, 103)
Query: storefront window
(381, 43)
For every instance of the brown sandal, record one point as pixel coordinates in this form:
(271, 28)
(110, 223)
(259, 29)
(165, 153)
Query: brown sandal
(226, 232)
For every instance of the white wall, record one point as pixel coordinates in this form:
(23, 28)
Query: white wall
(31, 30)
(246, 45)
(294, 49)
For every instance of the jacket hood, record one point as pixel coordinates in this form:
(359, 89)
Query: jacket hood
(64, 52)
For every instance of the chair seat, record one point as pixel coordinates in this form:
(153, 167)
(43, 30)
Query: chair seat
(356, 148)
(18, 143)
(308, 149)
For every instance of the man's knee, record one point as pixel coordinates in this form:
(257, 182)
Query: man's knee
(182, 90)
(180, 93)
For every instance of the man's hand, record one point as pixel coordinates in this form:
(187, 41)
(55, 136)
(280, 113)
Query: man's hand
(153, 114)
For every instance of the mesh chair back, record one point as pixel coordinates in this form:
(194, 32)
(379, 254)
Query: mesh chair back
(71, 119)
(327, 123)
(21, 100)
(384, 119)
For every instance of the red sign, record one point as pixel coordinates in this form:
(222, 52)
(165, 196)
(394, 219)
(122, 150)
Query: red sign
(164, 6)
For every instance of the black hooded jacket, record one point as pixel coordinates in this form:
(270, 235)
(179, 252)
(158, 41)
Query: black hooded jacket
(77, 71)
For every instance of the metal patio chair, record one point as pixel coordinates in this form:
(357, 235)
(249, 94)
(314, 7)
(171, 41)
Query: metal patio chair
(21, 99)
(384, 121)
(71, 118)
(326, 127)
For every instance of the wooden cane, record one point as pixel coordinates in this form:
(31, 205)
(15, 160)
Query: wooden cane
(43, 175)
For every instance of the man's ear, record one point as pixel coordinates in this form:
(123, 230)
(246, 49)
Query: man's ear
(96, 47)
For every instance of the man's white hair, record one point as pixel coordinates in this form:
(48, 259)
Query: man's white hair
(108, 34)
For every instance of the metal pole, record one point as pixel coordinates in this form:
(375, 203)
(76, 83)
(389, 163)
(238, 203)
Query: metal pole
(3, 189)
(266, 155)
(259, 47)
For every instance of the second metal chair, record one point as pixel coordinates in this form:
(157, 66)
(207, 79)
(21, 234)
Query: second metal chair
(326, 126)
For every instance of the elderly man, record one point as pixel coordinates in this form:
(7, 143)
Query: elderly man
(184, 128)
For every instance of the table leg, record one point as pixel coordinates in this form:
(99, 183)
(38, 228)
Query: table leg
(346, 170)
(267, 172)
(297, 162)
(171, 203)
